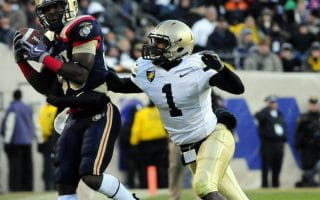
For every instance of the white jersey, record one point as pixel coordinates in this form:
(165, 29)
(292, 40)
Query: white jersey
(183, 96)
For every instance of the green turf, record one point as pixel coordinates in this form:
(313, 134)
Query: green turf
(265, 194)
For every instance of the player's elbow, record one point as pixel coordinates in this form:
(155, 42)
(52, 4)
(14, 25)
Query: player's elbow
(81, 77)
(240, 89)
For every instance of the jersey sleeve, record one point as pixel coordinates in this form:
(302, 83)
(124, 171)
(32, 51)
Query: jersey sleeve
(135, 70)
(82, 30)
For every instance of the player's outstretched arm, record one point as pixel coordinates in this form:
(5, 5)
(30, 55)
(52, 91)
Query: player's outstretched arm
(228, 81)
(225, 79)
(121, 85)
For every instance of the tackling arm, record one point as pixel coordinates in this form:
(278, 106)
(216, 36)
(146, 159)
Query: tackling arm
(227, 81)
(121, 85)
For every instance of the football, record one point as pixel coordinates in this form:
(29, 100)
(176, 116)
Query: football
(30, 35)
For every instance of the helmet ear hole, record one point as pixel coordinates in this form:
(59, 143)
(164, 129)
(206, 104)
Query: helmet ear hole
(180, 49)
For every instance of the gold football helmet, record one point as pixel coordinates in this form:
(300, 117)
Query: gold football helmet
(169, 41)
(54, 14)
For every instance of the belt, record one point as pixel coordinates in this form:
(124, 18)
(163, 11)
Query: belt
(195, 145)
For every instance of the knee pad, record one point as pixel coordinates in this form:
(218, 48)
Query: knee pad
(202, 183)
(93, 181)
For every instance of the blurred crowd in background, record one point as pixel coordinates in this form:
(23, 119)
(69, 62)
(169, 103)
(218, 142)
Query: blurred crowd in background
(266, 35)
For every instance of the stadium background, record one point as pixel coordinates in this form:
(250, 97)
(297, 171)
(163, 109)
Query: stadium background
(294, 89)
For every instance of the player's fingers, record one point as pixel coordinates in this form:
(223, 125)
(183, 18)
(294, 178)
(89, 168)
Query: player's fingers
(17, 38)
(16, 33)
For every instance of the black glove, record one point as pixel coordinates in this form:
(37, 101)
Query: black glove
(18, 49)
(226, 118)
(212, 60)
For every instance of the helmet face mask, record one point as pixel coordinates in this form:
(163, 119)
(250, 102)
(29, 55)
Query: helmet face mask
(169, 41)
(156, 49)
(54, 14)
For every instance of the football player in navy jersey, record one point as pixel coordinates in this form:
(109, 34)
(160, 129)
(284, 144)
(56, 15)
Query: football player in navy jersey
(72, 76)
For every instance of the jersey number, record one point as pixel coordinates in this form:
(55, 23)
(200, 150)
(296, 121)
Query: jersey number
(174, 111)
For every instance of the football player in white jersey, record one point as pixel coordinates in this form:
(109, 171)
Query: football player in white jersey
(179, 83)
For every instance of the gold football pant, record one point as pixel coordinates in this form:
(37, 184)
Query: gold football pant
(211, 171)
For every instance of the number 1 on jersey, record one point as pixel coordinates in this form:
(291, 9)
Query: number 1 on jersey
(174, 111)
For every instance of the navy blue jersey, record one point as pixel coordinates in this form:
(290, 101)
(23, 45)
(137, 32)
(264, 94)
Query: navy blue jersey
(77, 32)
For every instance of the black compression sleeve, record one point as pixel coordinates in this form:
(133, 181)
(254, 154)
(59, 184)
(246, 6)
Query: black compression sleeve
(228, 81)
(121, 85)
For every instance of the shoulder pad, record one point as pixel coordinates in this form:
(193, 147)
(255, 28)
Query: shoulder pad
(195, 61)
(84, 27)
(142, 63)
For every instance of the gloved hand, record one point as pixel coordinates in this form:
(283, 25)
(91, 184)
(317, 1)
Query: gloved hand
(212, 60)
(35, 52)
(227, 118)
(18, 50)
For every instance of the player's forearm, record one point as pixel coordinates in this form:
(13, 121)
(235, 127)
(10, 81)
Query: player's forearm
(76, 71)
(121, 85)
(227, 81)
(36, 79)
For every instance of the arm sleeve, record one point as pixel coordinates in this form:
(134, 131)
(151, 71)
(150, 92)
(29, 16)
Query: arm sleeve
(122, 85)
(40, 81)
(228, 81)
(11, 120)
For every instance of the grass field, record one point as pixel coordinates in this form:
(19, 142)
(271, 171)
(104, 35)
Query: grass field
(266, 194)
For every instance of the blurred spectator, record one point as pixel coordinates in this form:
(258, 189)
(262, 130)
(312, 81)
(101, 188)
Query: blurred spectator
(125, 60)
(222, 40)
(96, 10)
(314, 22)
(236, 9)
(266, 21)
(250, 24)
(302, 40)
(46, 118)
(113, 58)
(277, 37)
(313, 61)
(128, 159)
(204, 27)
(18, 130)
(83, 6)
(273, 134)
(301, 13)
(245, 46)
(150, 137)
(289, 61)
(262, 59)
(6, 32)
(184, 13)
(136, 51)
(307, 141)
(17, 16)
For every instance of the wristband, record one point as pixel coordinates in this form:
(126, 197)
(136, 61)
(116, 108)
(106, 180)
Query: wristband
(52, 63)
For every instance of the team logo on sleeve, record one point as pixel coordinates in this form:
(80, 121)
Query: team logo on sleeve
(85, 29)
(150, 75)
